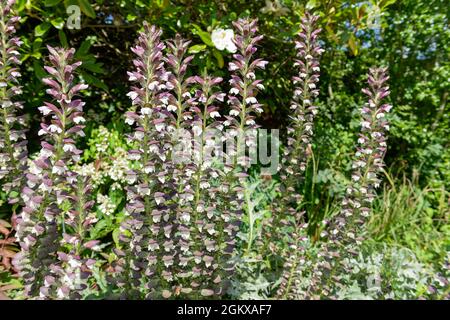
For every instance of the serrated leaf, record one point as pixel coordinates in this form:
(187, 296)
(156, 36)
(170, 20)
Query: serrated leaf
(93, 66)
(86, 8)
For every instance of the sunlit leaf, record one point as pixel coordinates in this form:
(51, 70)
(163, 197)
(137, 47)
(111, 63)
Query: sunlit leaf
(51, 3)
(197, 48)
(353, 45)
(63, 38)
(42, 29)
(205, 36)
(86, 8)
(58, 23)
(219, 58)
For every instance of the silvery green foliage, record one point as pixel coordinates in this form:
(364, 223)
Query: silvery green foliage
(13, 143)
(297, 151)
(346, 231)
(179, 237)
(389, 273)
(253, 286)
(54, 215)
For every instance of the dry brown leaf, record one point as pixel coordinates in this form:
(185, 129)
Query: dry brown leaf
(6, 262)
(5, 223)
(3, 296)
(4, 230)
(7, 253)
(10, 287)
(7, 241)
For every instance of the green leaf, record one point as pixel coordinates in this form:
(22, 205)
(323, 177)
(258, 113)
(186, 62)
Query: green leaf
(37, 44)
(100, 229)
(94, 81)
(38, 70)
(51, 3)
(20, 5)
(86, 8)
(353, 45)
(311, 4)
(68, 3)
(83, 49)
(131, 17)
(58, 23)
(197, 48)
(386, 3)
(41, 29)
(115, 236)
(205, 36)
(93, 66)
(63, 39)
(219, 58)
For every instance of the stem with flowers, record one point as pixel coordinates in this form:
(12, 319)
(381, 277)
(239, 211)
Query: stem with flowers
(298, 149)
(243, 109)
(346, 231)
(13, 143)
(49, 180)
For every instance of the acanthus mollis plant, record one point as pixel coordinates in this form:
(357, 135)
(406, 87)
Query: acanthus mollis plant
(13, 143)
(241, 130)
(180, 233)
(149, 224)
(346, 232)
(178, 100)
(77, 254)
(214, 213)
(242, 96)
(209, 225)
(42, 230)
(190, 118)
(300, 130)
(298, 148)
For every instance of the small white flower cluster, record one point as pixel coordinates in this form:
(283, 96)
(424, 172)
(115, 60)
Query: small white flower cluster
(103, 138)
(106, 206)
(114, 168)
(89, 170)
(119, 166)
(223, 39)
